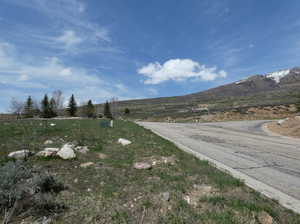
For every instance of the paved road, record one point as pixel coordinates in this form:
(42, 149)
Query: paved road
(243, 148)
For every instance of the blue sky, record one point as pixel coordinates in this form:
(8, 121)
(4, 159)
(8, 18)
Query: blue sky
(99, 49)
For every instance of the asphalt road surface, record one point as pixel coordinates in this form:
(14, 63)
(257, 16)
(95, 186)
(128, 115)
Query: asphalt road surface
(244, 148)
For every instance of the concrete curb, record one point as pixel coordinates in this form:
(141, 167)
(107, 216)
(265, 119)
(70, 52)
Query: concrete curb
(270, 192)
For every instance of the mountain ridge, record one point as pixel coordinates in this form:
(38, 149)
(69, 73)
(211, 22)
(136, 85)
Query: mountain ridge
(274, 88)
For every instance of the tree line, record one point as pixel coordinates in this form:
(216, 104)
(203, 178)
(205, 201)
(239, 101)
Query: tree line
(54, 106)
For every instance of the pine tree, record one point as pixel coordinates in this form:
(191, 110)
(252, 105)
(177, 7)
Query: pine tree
(126, 111)
(90, 109)
(28, 109)
(52, 108)
(46, 113)
(107, 112)
(72, 107)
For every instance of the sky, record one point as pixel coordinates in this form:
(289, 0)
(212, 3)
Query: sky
(99, 49)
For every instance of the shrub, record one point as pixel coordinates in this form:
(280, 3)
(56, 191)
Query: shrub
(22, 189)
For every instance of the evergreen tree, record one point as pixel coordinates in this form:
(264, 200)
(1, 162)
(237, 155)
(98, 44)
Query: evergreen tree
(72, 107)
(52, 108)
(28, 109)
(126, 111)
(46, 113)
(107, 112)
(90, 109)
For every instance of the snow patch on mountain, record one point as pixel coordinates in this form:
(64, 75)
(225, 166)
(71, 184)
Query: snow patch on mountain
(241, 81)
(276, 76)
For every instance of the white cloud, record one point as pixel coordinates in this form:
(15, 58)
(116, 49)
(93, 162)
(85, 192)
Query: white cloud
(38, 76)
(69, 39)
(179, 70)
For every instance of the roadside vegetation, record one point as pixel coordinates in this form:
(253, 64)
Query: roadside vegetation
(175, 188)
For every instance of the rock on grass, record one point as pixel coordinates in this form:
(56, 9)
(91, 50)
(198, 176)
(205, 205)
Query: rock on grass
(142, 166)
(22, 154)
(67, 152)
(85, 165)
(264, 218)
(124, 141)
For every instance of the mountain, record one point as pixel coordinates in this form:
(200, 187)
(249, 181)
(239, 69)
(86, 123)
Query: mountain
(275, 88)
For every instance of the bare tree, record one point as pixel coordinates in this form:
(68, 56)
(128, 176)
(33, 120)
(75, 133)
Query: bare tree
(58, 98)
(16, 107)
(114, 106)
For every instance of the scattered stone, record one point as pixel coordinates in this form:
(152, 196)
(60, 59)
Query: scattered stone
(66, 152)
(47, 152)
(198, 192)
(142, 166)
(165, 196)
(82, 149)
(22, 154)
(124, 142)
(101, 155)
(155, 160)
(264, 218)
(280, 122)
(187, 199)
(85, 165)
(48, 142)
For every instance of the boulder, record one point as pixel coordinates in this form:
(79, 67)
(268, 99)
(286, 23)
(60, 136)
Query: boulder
(22, 154)
(142, 166)
(48, 142)
(47, 152)
(264, 218)
(85, 165)
(52, 124)
(66, 152)
(124, 142)
(280, 122)
(165, 196)
(101, 155)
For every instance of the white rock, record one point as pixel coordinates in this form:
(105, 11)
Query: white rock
(165, 196)
(124, 142)
(280, 122)
(19, 154)
(187, 199)
(66, 152)
(142, 166)
(85, 165)
(48, 142)
(52, 124)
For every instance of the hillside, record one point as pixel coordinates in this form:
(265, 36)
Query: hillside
(276, 88)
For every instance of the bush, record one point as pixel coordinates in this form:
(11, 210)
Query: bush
(22, 189)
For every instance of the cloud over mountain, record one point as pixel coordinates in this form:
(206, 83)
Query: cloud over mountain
(179, 70)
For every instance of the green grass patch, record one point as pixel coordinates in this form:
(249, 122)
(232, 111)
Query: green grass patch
(112, 191)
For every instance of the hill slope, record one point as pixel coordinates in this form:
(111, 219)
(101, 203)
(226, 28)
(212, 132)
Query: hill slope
(276, 88)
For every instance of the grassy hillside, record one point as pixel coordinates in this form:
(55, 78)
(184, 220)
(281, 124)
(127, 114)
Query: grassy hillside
(179, 188)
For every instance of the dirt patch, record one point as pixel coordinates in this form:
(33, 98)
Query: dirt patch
(289, 127)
